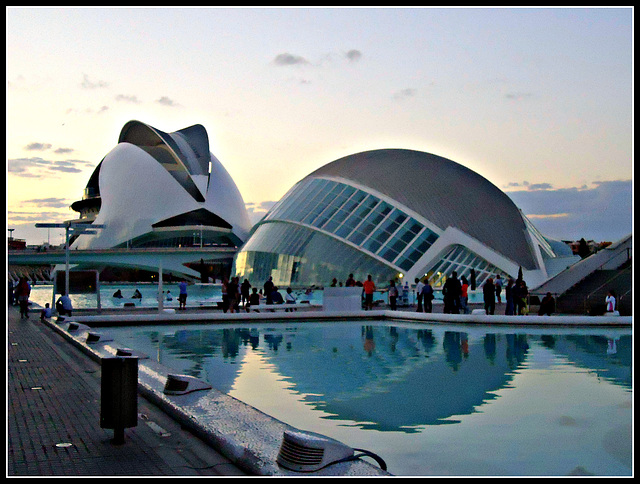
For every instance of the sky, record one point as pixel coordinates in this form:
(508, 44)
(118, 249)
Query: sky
(537, 101)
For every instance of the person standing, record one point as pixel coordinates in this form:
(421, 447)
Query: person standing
(245, 287)
(610, 301)
(232, 294)
(22, 292)
(498, 289)
(419, 286)
(427, 297)
(464, 295)
(489, 292)
(182, 297)
(520, 298)
(351, 282)
(393, 295)
(369, 288)
(268, 290)
(508, 295)
(225, 295)
(451, 294)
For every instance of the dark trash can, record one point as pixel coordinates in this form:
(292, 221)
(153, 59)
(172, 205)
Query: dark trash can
(119, 395)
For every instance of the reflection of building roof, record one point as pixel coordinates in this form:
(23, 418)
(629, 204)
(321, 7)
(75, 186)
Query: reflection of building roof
(396, 379)
(442, 191)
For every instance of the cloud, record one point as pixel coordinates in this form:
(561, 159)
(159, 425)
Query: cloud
(30, 218)
(40, 168)
(540, 186)
(601, 212)
(165, 101)
(518, 96)
(47, 146)
(88, 111)
(404, 94)
(286, 59)
(88, 84)
(530, 186)
(48, 202)
(258, 210)
(132, 99)
(37, 147)
(353, 55)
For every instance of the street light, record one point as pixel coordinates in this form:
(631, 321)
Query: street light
(76, 228)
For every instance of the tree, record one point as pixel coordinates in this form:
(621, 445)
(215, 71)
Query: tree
(583, 249)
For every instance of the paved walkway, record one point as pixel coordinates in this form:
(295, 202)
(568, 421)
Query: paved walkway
(53, 417)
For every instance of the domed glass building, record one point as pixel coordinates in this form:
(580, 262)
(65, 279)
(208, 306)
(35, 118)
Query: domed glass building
(396, 213)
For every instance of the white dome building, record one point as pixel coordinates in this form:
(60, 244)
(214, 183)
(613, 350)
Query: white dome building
(396, 213)
(162, 191)
(157, 189)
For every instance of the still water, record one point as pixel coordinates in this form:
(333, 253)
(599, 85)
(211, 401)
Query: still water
(429, 399)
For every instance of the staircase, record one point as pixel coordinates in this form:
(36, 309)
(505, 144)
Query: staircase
(583, 287)
(588, 296)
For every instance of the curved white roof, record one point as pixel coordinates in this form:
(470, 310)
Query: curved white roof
(151, 177)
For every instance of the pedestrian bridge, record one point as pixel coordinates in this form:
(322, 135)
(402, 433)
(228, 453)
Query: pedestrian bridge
(166, 260)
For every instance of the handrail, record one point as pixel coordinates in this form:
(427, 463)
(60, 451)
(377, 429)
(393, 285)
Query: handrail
(604, 284)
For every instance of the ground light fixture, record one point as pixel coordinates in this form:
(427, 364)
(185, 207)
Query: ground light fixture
(310, 452)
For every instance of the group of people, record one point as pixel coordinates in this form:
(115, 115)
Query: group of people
(455, 294)
(516, 297)
(368, 289)
(21, 294)
(136, 295)
(236, 294)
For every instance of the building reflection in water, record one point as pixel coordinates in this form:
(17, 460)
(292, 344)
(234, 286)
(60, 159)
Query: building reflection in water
(387, 378)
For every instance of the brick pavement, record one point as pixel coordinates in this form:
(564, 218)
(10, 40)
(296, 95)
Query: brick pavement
(53, 417)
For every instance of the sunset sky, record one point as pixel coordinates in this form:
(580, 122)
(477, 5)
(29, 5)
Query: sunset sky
(538, 101)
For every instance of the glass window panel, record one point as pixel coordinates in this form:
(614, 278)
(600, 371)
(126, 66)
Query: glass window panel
(372, 245)
(372, 220)
(326, 215)
(389, 254)
(356, 237)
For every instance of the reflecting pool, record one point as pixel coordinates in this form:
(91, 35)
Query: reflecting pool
(429, 399)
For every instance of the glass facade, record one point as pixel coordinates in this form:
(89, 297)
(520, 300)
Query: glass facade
(462, 260)
(358, 217)
(301, 241)
(295, 255)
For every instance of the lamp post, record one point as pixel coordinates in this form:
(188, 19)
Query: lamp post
(70, 227)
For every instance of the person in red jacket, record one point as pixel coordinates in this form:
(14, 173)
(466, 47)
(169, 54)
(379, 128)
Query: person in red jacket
(369, 289)
(23, 290)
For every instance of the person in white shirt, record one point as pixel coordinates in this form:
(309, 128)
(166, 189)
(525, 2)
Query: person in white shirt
(610, 301)
(289, 299)
(46, 313)
(419, 286)
(63, 305)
